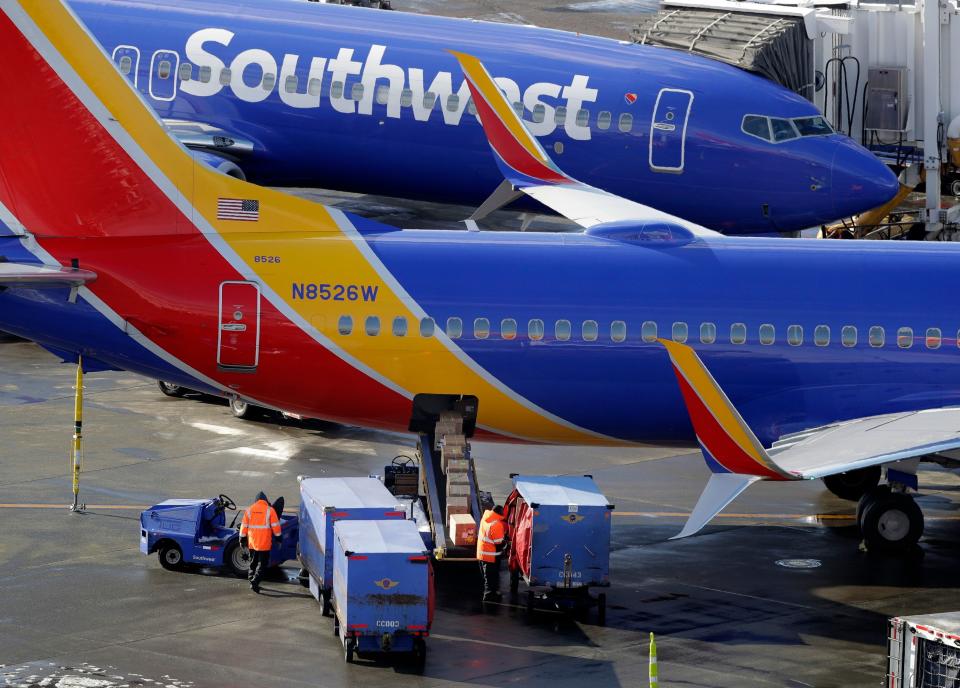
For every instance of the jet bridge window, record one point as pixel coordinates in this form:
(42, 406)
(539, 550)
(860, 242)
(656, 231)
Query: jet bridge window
(876, 337)
(481, 328)
(905, 337)
(738, 333)
(372, 325)
(453, 102)
(648, 331)
(618, 331)
(755, 125)
(508, 328)
(427, 327)
(560, 115)
(795, 335)
(186, 71)
(679, 332)
(590, 330)
(539, 112)
(535, 330)
(126, 64)
(269, 81)
(356, 92)
(603, 120)
(933, 338)
(290, 83)
(454, 328)
(848, 336)
(821, 335)
(625, 123)
(708, 333)
(225, 76)
(399, 326)
(345, 325)
(562, 330)
(782, 129)
(382, 94)
(768, 334)
(314, 86)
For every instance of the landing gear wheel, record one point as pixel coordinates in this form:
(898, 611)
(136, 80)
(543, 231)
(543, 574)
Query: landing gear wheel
(170, 556)
(241, 409)
(852, 485)
(892, 523)
(419, 655)
(171, 389)
(237, 560)
(867, 499)
(348, 649)
(602, 609)
(325, 603)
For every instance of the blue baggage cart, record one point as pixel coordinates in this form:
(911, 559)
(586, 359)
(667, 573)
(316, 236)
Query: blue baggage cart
(559, 531)
(382, 589)
(323, 502)
(194, 531)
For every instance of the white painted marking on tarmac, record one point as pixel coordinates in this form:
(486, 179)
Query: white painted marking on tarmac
(218, 429)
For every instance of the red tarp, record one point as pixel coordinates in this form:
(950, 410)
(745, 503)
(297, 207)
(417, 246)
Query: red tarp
(520, 521)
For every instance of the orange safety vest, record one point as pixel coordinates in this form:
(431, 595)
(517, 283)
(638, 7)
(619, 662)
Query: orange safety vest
(493, 531)
(259, 524)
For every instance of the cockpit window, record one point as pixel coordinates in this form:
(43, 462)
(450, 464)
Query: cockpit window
(812, 126)
(782, 129)
(756, 125)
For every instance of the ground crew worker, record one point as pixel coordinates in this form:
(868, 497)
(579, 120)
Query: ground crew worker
(491, 541)
(258, 529)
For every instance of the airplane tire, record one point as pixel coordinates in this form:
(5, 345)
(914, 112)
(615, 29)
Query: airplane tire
(867, 499)
(241, 409)
(892, 523)
(852, 485)
(955, 186)
(171, 389)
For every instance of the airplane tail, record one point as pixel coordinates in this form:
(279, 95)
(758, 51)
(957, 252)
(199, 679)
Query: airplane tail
(732, 451)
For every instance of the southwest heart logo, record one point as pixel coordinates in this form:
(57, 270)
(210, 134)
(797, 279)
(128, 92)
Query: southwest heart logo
(572, 518)
(386, 584)
(631, 98)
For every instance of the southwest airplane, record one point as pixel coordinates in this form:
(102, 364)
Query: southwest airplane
(295, 93)
(643, 328)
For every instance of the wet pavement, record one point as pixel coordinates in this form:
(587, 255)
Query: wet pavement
(82, 607)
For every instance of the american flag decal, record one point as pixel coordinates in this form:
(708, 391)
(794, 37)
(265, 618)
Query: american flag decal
(242, 209)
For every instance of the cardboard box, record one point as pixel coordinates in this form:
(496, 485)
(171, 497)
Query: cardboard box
(457, 466)
(461, 489)
(463, 530)
(458, 505)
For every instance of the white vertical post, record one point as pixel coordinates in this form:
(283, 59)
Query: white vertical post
(932, 115)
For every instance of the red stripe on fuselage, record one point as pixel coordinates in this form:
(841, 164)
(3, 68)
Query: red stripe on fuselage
(74, 186)
(717, 441)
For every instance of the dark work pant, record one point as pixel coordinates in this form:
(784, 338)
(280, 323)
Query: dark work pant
(491, 576)
(259, 561)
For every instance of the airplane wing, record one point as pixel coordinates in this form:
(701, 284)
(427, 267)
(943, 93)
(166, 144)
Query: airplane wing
(529, 169)
(42, 276)
(737, 459)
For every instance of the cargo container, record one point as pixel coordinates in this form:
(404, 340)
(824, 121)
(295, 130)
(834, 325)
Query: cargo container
(559, 531)
(382, 589)
(923, 651)
(323, 502)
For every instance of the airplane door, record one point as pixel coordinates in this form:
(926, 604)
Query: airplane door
(127, 59)
(164, 67)
(238, 339)
(668, 130)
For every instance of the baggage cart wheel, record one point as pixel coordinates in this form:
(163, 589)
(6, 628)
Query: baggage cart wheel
(170, 556)
(419, 655)
(303, 577)
(530, 600)
(602, 609)
(325, 603)
(237, 560)
(171, 389)
(348, 648)
(241, 409)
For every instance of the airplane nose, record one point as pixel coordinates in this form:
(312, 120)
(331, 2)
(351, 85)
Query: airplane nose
(860, 181)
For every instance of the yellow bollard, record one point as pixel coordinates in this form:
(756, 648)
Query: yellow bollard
(654, 670)
(76, 457)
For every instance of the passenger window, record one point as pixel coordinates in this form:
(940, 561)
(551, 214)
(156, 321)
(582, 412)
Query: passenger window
(454, 328)
(290, 84)
(481, 328)
(562, 330)
(535, 329)
(269, 80)
(471, 107)
(336, 89)
(205, 74)
(429, 98)
(126, 64)
(427, 327)
(848, 336)
(625, 123)
(905, 337)
(618, 331)
(406, 98)
(345, 325)
(795, 335)
(583, 117)
(508, 328)
(933, 338)
(560, 115)
(372, 325)
(821, 335)
(756, 125)
(648, 331)
(782, 130)
(453, 102)
(399, 326)
(225, 76)
(356, 92)
(876, 336)
(186, 71)
(383, 94)
(708, 333)
(314, 86)
(558, 147)
(163, 69)
(738, 333)
(603, 120)
(590, 331)
(679, 332)
(518, 108)
(768, 334)
(539, 112)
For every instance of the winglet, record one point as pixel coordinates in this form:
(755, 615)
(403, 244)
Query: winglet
(520, 156)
